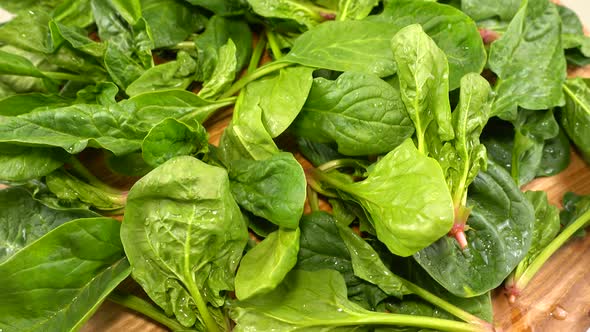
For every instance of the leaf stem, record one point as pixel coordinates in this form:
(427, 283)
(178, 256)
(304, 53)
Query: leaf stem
(549, 250)
(274, 44)
(66, 77)
(208, 110)
(340, 163)
(312, 198)
(381, 318)
(208, 321)
(145, 308)
(257, 54)
(262, 71)
(93, 180)
(184, 45)
(448, 307)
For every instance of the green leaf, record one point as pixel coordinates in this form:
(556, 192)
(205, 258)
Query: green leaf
(14, 64)
(575, 115)
(272, 188)
(316, 301)
(121, 67)
(171, 138)
(83, 259)
(25, 103)
(225, 7)
(545, 228)
(355, 10)
(170, 75)
(159, 13)
(184, 236)
(264, 267)
(131, 164)
(74, 128)
(570, 23)
(346, 46)
(29, 30)
(361, 113)
(531, 47)
(224, 73)
(283, 97)
(76, 38)
(482, 9)
(317, 153)
(23, 220)
(574, 206)
(71, 189)
(22, 163)
(423, 79)
(300, 11)
(404, 185)
(500, 233)
(454, 32)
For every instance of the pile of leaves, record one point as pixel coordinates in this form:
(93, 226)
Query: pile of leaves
(421, 119)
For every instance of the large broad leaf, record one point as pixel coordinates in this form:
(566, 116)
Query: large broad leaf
(454, 32)
(74, 128)
(482, 9)
(316, 301)
(346, 46)
(283, 97)
(272, 188)
(159, 14)
(321, 247)
(22, 163)
(23, 220)
(405, 197)
(25, 103)
(531, 47)
(14, 64)
(575, 115)
(265, 266)
(184, 236)
(359, 112)
(500, 233)
(57, 282)
(423, 79)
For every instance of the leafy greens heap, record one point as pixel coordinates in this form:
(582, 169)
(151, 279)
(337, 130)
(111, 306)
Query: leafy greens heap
(419, 142)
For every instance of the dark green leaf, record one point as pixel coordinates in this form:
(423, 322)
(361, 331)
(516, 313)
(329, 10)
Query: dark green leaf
(131, 164)
(170, 75)
(302, 12)
(159, 14)
(361, 113)
(575, 115)
(265, 266)
(187, 252)
(272, 188)
(224, 8)
(25, 103)
(122, 68)
(317, 153)
(22, 163)
(500, 233)
(574, 206)
(224, 73)
(14, 64)
(83, 259)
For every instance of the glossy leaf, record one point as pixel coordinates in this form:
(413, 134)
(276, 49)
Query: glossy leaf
(355, 10)
(302, 12)
(272, 188)
(224, 73)
(452, 31)
(500, 234)
(265, 266)
(361, 113)
(575, 115)
(171, 138)
(25, 103)
(184, 236)
(482, 9)
(14, 64)
(159, 14)
(423, 79)
(346, 46)
(23, 220)
(531, 47)
(402, 186)
(170, 75)
(83, 258)
(22, 163)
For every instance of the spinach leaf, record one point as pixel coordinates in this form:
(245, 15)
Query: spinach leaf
(160, 13)
(423, 79)
(171, 138)
(283, 97)
(184, 236)
(321, 247)
(272, 188)
(76, 38)
(303, 12)
(573, 208)
(14, 64)
(25, 103)
(360, 46)
(28, 30)
(122, 69)
(83, 259)
(482, 9)
(545, 229)
(23, 220)
(575, 115)
(22, 163)
(171, 75)
(74, 128)
(531, 47)
(556, 155)
(224, 8)
(452, 31)
(500, 234)
(265, 266)
(361, 113)
(317, 153)
(131, 164)
(72, 190)
(395, 196)
(355, 10)
(223, 74)
(317, 301)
